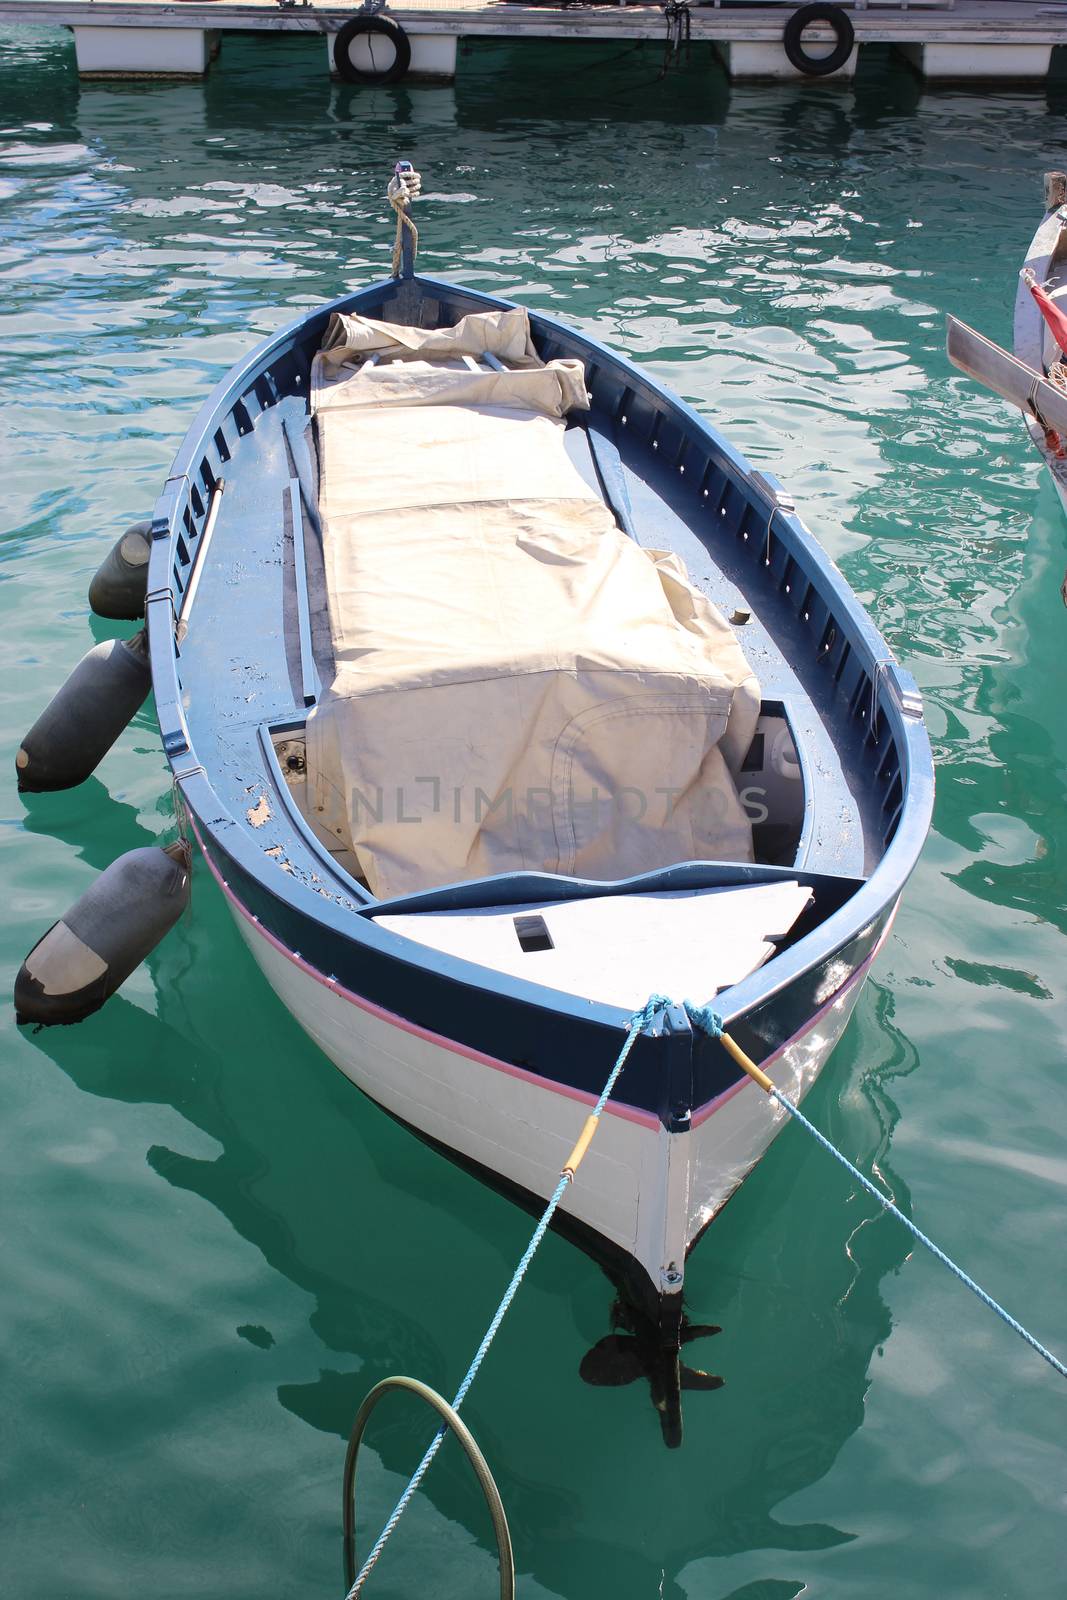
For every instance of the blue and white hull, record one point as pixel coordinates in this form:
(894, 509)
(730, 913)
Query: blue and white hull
(489, 1057)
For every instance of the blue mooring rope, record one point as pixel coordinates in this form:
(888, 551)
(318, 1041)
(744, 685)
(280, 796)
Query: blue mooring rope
(637, 1023)
(709, 1022)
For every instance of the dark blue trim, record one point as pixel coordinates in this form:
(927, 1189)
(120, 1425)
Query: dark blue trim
(524, 888)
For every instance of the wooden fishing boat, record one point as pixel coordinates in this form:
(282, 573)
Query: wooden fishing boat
(315, 623)
(1034, 376)
(1034, 343)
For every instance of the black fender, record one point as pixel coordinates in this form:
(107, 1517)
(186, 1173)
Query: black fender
(792, 41)
(352, 29)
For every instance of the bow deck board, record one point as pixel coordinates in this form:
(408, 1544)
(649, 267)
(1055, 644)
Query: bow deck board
(620, 949)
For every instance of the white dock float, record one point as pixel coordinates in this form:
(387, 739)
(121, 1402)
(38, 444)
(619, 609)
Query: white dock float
(433, 55)
(755, 60)
(944, 40)
(957, 62)
(123, 52)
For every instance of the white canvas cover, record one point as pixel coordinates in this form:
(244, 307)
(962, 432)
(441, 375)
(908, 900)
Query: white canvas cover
(518, 684)
(504, 334)
(424, 366)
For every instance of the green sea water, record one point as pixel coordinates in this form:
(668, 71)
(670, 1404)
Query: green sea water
(210, 1244)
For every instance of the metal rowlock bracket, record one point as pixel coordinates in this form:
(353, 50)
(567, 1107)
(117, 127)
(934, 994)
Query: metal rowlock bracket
(781, 500)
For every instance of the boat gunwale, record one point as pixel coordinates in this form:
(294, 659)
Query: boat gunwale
(892, 690)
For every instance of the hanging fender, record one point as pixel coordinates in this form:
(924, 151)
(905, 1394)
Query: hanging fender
(118, 589)
(793, 44)
(84, 718)
(91, 951)
(346, 37)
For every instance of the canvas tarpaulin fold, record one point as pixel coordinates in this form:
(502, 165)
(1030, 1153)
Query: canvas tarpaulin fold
(411, 370)
(504, 334)
(518, 684)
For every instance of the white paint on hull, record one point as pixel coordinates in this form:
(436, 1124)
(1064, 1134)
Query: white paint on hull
(514, 1127)
(729, 1143)
(642, 1189)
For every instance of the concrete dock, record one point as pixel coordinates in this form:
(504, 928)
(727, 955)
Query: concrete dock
(985, 41)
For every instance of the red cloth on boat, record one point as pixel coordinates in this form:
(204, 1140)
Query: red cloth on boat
(1052, 314)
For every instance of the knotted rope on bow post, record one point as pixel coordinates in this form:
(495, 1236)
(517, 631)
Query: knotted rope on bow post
(404, 187)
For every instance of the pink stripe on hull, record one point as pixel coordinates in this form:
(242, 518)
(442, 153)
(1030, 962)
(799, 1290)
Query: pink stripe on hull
(615, 1108)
